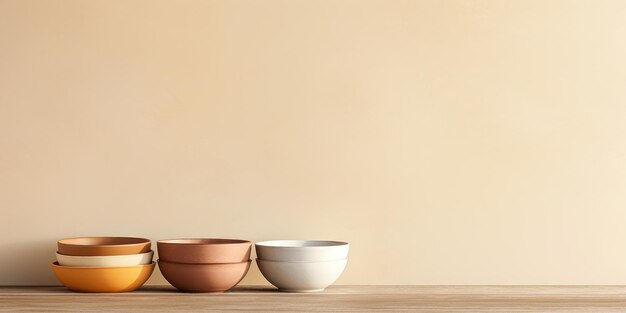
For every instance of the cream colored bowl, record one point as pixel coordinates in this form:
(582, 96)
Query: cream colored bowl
(105, 260)
(302, 276)
(302, 250)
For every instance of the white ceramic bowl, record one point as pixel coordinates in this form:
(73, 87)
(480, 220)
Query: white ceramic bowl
(301, 250)
(302, 276)
(105, 260)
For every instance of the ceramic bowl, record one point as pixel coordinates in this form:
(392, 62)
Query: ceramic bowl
(204, 277)
(302, 276)
(197, 251)
(98, 246)
(103, 279)
(301, 250)
(106, 260)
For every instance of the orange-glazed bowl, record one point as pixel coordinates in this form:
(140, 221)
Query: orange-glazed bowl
(103, 279)
(101, 246)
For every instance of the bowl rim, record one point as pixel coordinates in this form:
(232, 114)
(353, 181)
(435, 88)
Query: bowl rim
(178, 263)
(296, 262)
(68, 241)
(203, 242)
(56, 264)
(120, 256)
(327, 244)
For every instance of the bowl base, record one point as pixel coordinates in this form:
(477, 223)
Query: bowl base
(301, 290)
(99, 291)
(203, 291)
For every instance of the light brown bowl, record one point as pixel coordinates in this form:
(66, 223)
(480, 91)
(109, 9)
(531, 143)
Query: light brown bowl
(103, 279)
(204, 251)
(204, 277)
(98, 246)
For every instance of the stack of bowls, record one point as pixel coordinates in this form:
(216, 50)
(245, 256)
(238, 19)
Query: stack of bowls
(103, 264)
(204, 265)
(301, 265)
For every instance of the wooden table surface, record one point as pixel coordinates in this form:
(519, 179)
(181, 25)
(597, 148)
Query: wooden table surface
(334, 299)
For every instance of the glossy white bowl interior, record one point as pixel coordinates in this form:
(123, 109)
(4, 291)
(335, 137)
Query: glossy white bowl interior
(301, 250)
(302, 276)
(105, 260)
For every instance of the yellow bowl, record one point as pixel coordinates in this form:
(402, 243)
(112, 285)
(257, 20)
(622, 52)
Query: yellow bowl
(103, 279)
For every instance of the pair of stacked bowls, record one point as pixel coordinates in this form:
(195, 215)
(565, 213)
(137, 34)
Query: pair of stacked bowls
(302, 265)
(103, 264)
(204, 265)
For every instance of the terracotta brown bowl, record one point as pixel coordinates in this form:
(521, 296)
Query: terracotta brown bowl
(99, 246)
(204, 251)
(103, 279)
(204, 277)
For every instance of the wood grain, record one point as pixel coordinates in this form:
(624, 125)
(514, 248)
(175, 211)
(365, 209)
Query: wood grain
(335, 299)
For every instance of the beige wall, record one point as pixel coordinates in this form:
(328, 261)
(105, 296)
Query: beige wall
(451, 142)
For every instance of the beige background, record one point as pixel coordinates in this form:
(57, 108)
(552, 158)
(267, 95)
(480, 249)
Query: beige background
(450, 142)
